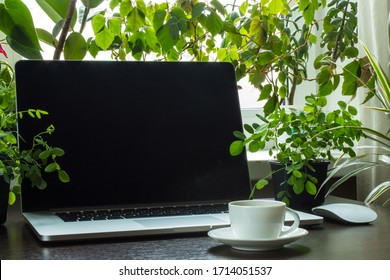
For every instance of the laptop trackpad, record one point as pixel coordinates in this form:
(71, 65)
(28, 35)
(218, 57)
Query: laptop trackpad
(172, 222)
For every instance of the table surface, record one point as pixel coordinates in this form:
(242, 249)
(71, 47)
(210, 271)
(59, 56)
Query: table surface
(330, 241)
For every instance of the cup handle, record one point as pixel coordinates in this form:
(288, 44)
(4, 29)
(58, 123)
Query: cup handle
(294, 226)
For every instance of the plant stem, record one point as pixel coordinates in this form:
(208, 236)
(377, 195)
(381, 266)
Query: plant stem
(291, 95)
(65, 29)
(336, 53)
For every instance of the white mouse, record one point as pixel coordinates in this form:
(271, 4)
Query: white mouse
(346, 212)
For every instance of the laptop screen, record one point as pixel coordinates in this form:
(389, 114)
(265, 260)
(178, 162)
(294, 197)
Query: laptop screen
(134, 133)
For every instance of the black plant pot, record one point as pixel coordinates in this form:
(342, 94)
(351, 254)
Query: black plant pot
(4, 193)
(303, 201)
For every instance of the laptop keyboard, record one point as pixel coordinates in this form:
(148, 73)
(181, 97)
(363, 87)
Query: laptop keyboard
(96, 215)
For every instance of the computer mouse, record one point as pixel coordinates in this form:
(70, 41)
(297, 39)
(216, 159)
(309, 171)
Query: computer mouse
(346, 212)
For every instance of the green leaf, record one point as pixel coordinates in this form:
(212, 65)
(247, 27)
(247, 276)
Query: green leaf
(197, 10)
(125, 8)
(327, 26)
(236, 147)
(57, 151)
(52, 167)
(270, 105)
(298, 186)
(218, 6)
(75, 46)
(114, 24)
(178, 13)
(11, 198)
(310, 188)
(261, 184)
(303, 4)
(265, 57)
(214, 23)
(286, 200)
(31, 113)
(244, 7)
(91, 3)
(249, 128)
(312, 38)
(40, 183)
(239, 135)
(222, 54)
(308, 8)
(253, 147)
(282, 91)
(29, 53)
(165, 38)
(63, 176)
(297, 173)
(58, 28)
(169, 34)
(351, 73)
(141, 6)
(98, 23)
(182, 24)
(336, 81)
(57, 10)
(158, 18)
(255, 26)
(382, 78)
(326, 88)
(276, 6)
(265, 92)
(322, 101)
(324, 75)
(44, 154)
(104, 38)
(352, 110)
(46, 37)
(16, 22)
(256, 79)
(351, 52)
(135, 19)
(93, 49)
(150, 38)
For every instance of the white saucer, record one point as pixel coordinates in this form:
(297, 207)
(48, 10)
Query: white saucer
(226, 236)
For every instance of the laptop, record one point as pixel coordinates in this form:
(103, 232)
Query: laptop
(146, 147)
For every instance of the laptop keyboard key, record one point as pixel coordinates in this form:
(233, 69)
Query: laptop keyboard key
(115, 214)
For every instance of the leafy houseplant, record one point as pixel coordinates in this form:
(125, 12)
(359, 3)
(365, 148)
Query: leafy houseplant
(382, 150)
(297, 137)
(17, 165)
(300, 140)
(268, 42)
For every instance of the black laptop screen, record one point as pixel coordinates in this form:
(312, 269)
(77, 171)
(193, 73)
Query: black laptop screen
(134, 132)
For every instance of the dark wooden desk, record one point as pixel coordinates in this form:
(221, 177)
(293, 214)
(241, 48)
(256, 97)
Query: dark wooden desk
(328, 241)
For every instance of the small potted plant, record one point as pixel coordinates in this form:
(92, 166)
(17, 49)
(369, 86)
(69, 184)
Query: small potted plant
(17, 165)
(301, 147)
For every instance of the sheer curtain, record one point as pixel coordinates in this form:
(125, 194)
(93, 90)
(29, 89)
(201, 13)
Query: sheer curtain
(372, 24)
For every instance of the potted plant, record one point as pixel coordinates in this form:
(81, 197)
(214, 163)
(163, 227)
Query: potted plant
(380, 152)
(17, 165)
(268, 42)
(302, 146)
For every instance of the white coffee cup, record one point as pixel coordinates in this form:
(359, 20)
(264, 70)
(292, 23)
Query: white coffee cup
(260, 219)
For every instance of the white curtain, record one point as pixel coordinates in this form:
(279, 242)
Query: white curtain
(373, 32)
